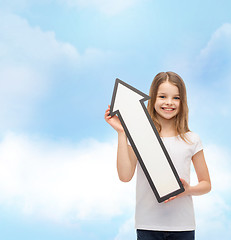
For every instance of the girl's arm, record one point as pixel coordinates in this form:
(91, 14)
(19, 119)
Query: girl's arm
(204, 183)
(126, 158)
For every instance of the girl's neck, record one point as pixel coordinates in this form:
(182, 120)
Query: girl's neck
(167, 127)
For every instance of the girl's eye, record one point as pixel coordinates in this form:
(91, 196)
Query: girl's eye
(161, 96)
(177, 98)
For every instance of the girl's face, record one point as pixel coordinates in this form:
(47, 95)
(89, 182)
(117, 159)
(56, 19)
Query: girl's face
(167, 103)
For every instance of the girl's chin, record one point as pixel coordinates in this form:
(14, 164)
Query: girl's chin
(167, 116)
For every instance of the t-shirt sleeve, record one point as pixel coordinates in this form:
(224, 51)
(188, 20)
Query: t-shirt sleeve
(197, 144)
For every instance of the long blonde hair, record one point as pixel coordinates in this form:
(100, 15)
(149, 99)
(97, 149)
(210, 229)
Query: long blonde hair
(181, 119)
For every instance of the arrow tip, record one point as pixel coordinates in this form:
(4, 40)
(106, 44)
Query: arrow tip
(123, 93)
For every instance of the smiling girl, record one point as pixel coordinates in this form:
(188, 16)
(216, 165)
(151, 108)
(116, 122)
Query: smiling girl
(173, 219)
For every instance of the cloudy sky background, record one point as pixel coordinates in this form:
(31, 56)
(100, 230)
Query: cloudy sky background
(58, 63)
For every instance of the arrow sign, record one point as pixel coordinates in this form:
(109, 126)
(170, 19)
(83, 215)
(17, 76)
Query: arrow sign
(128, 103)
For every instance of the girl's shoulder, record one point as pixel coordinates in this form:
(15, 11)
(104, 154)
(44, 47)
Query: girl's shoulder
(193, 137)
(192, 134)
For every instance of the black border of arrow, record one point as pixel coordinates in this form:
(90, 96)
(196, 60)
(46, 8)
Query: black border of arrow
(146, 97)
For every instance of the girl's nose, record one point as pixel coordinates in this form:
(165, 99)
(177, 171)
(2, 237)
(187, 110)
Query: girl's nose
(169, 101)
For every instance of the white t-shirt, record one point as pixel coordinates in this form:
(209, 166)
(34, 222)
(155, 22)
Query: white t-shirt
(178, 214)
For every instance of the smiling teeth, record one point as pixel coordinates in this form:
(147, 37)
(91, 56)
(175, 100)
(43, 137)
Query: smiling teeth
(168, 109)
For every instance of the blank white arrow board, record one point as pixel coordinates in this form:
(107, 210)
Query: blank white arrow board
(128, 103)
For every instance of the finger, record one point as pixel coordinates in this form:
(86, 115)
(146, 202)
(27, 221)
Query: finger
(107, 115)
(182, 180)
(170, 199)
(185, 184)
(107, 112)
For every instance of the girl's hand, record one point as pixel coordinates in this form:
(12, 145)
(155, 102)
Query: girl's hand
(113, 121)
(186, 192)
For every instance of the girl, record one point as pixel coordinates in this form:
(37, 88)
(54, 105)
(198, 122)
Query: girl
(173, 219)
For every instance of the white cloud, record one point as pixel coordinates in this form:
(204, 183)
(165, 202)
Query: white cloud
(110, 8)
(67, 182)
(62, 181)
(30, 62)
(28, 57)
(213, 68)
(213, 210)
(127, 230)
(214, 60)
(25, 43)
(213, 213)
(220, 40)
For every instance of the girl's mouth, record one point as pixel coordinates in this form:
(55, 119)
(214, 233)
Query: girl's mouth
(168, 109)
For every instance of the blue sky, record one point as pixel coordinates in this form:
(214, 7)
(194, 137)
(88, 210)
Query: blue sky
(58, 63)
